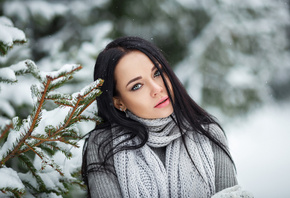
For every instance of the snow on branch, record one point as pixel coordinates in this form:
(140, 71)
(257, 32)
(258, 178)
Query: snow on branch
(12, 182)
(8, 74)
(9, 35)
(45, 133)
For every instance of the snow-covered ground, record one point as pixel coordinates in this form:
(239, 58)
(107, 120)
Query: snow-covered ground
(260, 146)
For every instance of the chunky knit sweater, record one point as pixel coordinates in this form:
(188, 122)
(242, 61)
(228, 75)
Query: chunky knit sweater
(105, 184)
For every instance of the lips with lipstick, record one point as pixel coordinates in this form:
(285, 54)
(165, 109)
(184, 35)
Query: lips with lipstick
(164, 101)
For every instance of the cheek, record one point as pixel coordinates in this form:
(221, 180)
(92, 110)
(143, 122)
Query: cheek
(136, 101)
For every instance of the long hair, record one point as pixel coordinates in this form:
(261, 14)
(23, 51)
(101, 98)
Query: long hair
(184, 107)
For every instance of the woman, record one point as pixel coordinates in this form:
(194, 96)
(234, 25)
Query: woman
(154, 141)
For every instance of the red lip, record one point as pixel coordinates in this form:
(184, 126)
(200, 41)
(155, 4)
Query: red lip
(164, 101)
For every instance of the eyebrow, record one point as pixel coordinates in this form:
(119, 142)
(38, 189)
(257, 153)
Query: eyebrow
(138, 77)
(134, 79)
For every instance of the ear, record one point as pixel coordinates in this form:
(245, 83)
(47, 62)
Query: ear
(119, 104)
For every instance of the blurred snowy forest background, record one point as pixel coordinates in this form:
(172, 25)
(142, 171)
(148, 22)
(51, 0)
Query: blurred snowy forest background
(232, 56)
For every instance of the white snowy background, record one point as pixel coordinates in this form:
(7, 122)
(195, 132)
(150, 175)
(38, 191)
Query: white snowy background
(260, 147)
(229, 49)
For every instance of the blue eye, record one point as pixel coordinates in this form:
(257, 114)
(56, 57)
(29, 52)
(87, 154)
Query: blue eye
(136, 87)
(157, 73)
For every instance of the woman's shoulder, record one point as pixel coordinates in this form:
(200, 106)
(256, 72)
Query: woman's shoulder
(98, 135)
(98, 131)
(98, 144)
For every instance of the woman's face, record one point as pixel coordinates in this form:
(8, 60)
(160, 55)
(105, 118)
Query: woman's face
(140, 87)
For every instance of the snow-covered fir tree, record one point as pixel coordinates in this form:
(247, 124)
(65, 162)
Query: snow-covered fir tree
(40, 155)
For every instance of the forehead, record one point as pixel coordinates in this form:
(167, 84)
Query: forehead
(135, 58)
(132, 64)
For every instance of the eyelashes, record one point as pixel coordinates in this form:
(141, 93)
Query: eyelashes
(137, 86)
(156, 73)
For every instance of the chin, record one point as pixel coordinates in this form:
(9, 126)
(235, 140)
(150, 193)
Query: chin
(164, 115)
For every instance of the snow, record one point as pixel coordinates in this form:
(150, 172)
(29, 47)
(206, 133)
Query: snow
(16, 9)
(28, 177)
(64, 69)
(18, 95)
(9, 34)
(49, 195)
(53, 117)
(86, 89)
(5, 21)
(6, 108)
(46, 9)
(51, 179)
(7, 74)
(12, 139)
(69, 166)
(240, 77)
(21, 66)
(260, 147)
(3, 122)
(10, 179)
(15, 135)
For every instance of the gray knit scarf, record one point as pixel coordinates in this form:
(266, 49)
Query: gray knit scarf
(142, 174)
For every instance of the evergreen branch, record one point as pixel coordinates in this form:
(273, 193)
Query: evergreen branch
(42, 187)
(79, 99)
(8, 81)
(71, 114)
(91, 99)
(33, 69)
(64, 103)
(87, 118)
(33, 170)
(4, 48)
(64, 74)
(16, 149)
(59, 96)
(6, 130)
(41, 141)
(86, 106)
(15, 191)
(46, 161)
(30, 186)
(70, 133)
(46, 145)
(44, 139)
(68, 121)
(33, 150)
(58, 132)
(59, 81)
(67, 153)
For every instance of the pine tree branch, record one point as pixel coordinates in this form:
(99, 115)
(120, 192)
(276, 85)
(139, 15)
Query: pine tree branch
(33, 150)
(13, 152)
(33, 171)
(44, 139)
(6, 130)
(66, 74)
(46, 145)
(58, 103)
(72, 113)
(86, 106)
(57, 132)
(14, 191)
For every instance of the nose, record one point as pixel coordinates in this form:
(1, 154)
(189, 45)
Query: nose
(155, 89)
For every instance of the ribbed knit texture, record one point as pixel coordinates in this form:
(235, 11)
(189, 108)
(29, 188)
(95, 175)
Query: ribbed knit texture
(142, 174)
(103, 184)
